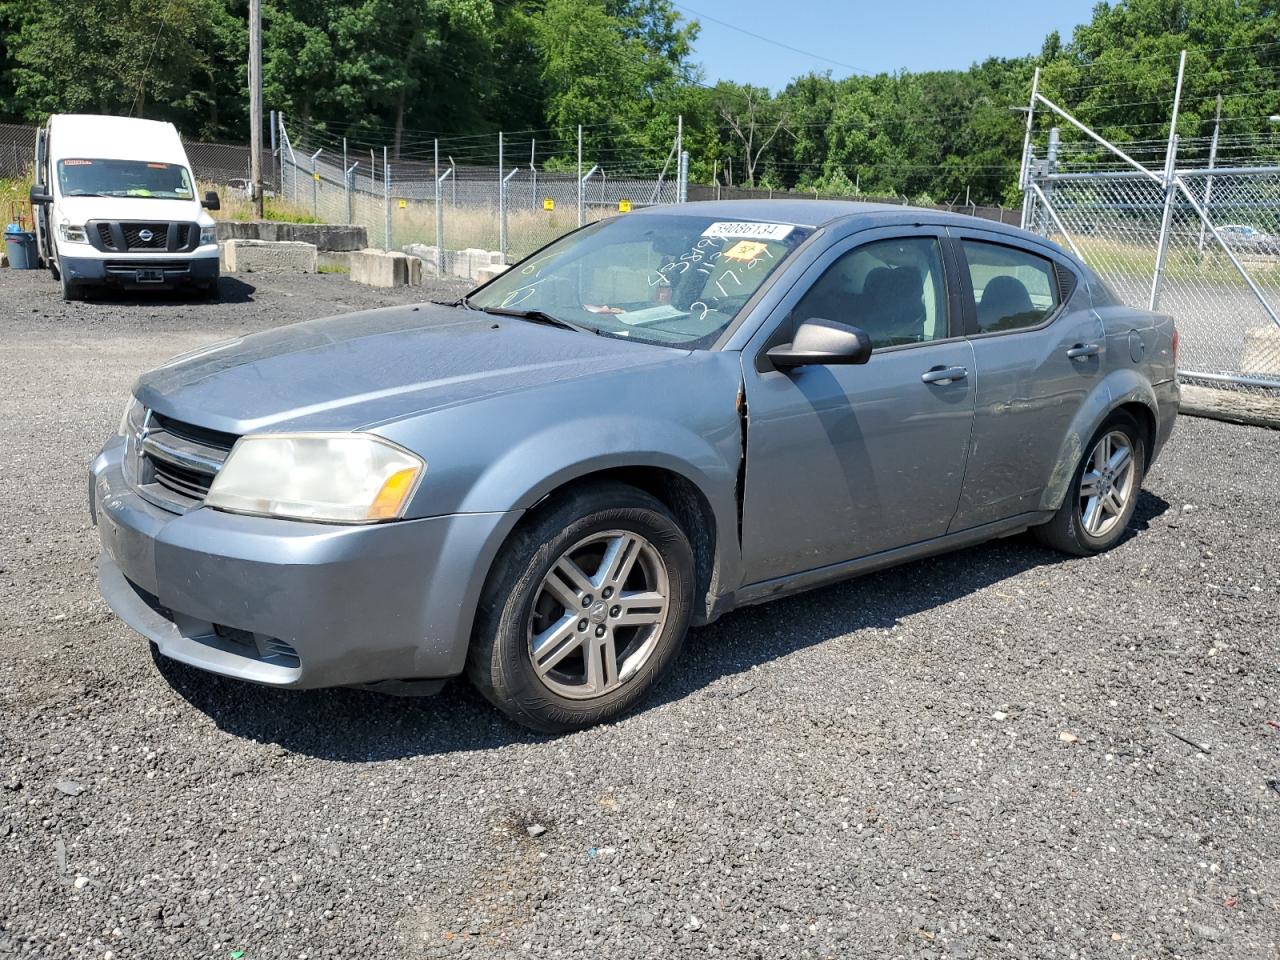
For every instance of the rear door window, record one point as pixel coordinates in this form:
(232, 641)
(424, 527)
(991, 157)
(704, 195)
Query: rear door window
(1012, 288)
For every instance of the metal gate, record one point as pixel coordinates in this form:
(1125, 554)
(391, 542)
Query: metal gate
(1200, 244)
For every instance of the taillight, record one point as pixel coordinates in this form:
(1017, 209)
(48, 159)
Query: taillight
(1174, 344)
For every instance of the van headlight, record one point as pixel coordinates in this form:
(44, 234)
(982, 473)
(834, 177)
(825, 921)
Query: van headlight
(72, 233)
(332, 477)
(208, 234)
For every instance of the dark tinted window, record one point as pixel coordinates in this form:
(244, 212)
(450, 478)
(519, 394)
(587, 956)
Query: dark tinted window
(1012, 288)
(892, 289)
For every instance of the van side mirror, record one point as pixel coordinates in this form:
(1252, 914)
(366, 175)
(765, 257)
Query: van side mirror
(822, 342)
(40, 193)
(211, 201)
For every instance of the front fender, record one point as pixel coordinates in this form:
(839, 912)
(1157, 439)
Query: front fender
(1114, 391)
(560, 454)
(505, 453)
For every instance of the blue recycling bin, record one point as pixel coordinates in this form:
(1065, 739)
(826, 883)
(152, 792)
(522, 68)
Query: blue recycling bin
(21, 245)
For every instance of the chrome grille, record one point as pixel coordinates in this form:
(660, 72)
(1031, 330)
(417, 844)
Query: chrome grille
(177, 461)
(146, 236)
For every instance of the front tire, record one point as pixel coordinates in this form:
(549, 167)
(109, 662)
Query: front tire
(1104, 492)
(70, 291)
(585, 609)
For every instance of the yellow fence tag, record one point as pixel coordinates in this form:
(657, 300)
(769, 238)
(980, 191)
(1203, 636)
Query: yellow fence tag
(317, 176)
(624, 206)
(403, 204)
(548, 204)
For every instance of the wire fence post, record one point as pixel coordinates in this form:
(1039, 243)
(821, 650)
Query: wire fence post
(439, 209)
(502, 203)
(386, 198)
(315, 184)
(533, 172)
(346, 179)
(581, 219)
(350, 177)
(1208, 181)
(1170, 189)
(683, 196)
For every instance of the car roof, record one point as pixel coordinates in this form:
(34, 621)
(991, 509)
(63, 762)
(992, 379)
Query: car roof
(93, 136)
(821, 213)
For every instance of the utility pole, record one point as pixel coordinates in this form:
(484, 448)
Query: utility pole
(255, 105)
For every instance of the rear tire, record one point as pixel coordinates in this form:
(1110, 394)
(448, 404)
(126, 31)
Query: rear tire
(585, 609)
(1104, 492)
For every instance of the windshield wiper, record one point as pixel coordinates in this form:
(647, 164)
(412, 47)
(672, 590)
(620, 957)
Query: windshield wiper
(533, 316)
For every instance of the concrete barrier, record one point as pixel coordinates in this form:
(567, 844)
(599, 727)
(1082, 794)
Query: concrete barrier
(266, 256)
(382, 268)
(325, 236)
(486, 274)
(465, 264)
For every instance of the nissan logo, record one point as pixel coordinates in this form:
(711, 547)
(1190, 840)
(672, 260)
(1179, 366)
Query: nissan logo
(145, 236)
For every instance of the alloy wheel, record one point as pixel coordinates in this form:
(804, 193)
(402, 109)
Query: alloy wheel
(1108, 483)
(598, 614)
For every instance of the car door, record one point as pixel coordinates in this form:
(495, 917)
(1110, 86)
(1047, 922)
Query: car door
(847, 461)
(1039, 349)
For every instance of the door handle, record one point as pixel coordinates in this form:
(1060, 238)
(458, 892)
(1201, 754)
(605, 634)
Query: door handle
(944, 375)
(1083, 351)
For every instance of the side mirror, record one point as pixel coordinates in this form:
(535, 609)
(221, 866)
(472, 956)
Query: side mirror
(40, 193)
(822, 342)
(211, 201)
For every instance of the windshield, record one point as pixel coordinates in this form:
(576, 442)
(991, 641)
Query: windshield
(124, 178)
(659, 278)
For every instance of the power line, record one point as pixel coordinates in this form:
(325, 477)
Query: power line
(776, 43)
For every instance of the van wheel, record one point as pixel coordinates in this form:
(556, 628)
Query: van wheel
(71, 291)
(585, 608)
(1104, 492)
(53, 270)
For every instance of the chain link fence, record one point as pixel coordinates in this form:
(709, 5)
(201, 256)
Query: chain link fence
(1172, 228)
(1220, 284)
(721, 192)
(458, 217)
(225, 164)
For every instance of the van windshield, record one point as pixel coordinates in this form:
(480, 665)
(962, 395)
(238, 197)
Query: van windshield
(124, 178)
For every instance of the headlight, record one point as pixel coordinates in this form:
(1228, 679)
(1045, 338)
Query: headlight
(131, 418)
(72, 234)
(208, 234)
(335, 477)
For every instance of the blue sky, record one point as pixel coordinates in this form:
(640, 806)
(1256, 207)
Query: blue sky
(871, 35)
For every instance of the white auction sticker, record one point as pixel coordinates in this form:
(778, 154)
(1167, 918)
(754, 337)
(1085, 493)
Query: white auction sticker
(741, 230)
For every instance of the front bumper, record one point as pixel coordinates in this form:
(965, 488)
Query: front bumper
(200, 267)
(288, 603)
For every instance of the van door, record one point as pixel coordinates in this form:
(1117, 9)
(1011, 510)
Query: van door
(40, 212)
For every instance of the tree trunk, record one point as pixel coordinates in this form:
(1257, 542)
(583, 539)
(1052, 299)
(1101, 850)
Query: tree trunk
(399, 121)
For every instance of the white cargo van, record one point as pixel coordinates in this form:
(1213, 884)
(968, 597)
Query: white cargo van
(116, 204)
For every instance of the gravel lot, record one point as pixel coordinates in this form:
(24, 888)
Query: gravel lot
(998, 753)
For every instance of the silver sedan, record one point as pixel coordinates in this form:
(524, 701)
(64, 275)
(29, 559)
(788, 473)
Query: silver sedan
(648, 423)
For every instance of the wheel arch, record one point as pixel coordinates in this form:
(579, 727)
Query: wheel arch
(674, 489)
(1122, 390)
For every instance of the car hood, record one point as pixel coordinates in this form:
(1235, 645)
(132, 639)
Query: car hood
(78, 210)
(363, 369)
